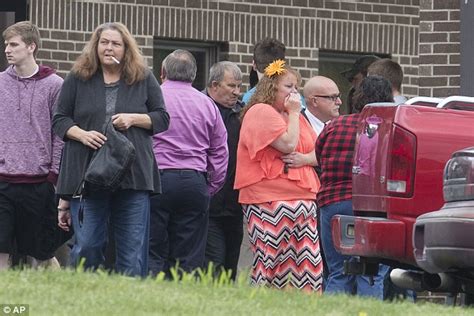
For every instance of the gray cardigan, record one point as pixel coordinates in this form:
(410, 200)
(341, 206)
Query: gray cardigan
(82, 103)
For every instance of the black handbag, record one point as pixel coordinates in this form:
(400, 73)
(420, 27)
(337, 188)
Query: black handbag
(111, 162)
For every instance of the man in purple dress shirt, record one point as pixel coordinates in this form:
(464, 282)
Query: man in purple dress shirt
(192, 155)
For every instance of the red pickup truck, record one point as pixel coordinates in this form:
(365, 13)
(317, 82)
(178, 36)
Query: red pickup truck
(399, 158)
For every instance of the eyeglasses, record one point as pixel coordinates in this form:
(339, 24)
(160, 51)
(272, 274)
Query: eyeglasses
(333, 98)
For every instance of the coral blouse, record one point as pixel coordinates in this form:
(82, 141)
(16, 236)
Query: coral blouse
(260, 175)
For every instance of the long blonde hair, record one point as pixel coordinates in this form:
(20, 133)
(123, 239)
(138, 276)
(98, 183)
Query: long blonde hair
(133, 63)
(267, 87)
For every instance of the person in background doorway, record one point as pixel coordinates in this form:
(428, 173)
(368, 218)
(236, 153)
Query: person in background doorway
(355, 75)
(265, 52)
(391, 71)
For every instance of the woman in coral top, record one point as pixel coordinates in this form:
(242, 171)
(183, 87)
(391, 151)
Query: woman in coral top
(277, 183)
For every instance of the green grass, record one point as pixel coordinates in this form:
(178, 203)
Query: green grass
(68, 292)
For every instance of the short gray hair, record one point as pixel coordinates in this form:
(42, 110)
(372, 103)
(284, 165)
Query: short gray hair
(180, 65)
(217, 71)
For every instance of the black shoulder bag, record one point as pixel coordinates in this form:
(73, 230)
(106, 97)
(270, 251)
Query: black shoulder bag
(110, 163)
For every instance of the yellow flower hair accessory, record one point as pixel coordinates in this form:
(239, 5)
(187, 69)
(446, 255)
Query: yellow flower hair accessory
(275, 68)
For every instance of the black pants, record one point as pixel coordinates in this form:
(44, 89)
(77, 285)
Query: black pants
(28, 219)
(178, 223)
(224, 238)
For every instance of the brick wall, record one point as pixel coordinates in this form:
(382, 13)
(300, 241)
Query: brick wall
(305, 26)
(439, 57)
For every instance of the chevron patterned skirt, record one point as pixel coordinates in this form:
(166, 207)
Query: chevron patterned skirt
(285, 244)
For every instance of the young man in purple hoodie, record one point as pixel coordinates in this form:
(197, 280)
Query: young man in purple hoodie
(29, 151)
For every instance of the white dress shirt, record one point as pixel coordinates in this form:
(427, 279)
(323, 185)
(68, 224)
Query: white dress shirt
(316, 123)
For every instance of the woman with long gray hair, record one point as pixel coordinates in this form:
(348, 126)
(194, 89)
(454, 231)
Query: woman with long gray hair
(109, 81)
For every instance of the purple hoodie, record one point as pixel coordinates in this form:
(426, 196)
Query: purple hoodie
(29, 151)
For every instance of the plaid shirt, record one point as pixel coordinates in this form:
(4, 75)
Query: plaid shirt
(335, 150)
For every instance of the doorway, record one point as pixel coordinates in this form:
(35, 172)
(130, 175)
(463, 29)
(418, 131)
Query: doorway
(11, 11)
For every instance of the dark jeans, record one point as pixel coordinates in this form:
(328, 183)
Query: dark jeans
(224, 238)
(338, 282)
(179, 220)
(128, 212)
(321, 250)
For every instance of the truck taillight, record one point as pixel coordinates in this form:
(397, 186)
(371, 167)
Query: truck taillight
(401, 172)
(459, 177)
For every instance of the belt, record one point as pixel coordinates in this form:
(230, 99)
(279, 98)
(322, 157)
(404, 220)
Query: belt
(180, 171)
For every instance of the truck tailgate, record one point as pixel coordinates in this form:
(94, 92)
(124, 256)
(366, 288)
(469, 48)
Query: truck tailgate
(436, 134)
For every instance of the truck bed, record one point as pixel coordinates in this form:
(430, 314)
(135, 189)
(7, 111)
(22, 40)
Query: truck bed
(384, 209)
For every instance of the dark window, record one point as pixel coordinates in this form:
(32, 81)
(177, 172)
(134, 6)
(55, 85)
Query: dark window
(18, 7)
(206, 54)
(332, 63)
(253, 78)
(11, 11)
